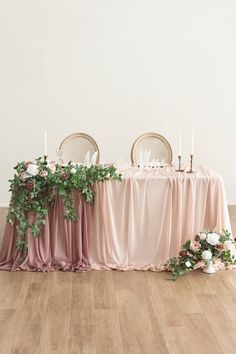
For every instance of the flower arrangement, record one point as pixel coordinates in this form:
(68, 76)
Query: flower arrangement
(36, 185)
(207, 247)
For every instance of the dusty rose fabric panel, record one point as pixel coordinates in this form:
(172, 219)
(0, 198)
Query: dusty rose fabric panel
(62, 244)
(144, 220)
(8, 253)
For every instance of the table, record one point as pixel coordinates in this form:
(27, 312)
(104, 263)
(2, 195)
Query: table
(138, 223)
(144, 220)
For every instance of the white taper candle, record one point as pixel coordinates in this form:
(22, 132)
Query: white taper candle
(180, 144)
(192, 147)
(45, 144)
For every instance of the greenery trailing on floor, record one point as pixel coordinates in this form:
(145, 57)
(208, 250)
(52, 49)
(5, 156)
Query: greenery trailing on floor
(36, 185)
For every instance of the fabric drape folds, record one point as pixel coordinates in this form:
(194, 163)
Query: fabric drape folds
(138, 223)
(61, 245)
(144, 220)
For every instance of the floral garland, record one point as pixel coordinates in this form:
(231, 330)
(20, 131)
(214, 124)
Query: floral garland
(36, 185)
(207, 247)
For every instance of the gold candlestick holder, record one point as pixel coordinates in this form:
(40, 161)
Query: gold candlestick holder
(191, 164)
(180, 165)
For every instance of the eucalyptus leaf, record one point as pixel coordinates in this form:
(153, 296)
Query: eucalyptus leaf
(37, 194)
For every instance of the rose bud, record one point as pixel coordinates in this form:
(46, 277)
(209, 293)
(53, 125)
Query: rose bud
(197, 238)
(30, 185)
(182, 253)
(220, 246)
(28, 163)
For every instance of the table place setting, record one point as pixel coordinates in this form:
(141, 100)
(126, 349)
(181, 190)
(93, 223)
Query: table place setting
(145, 162)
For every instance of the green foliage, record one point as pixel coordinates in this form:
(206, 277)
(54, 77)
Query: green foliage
(34, 193)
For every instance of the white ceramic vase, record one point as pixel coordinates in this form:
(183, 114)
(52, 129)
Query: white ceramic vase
(209, 269)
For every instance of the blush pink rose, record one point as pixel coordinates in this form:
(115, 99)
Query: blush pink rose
(195, 246)
(51, 167)
(24, 176)
(199, 265)
(43, 173)
(220, 246)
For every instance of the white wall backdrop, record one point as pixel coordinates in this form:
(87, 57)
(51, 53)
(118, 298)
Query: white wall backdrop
(115, 69)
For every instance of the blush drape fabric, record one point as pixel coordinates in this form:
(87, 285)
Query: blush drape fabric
(61, 245)
(143, 221)
(138, 223)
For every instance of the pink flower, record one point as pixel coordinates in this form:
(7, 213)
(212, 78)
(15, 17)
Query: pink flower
(43, 173)
(24, 175)
(182, 253)
(199, 265)
(218, 264)
(195, 246)
(220, 246)
(197, 238)
(30, 185)
(228, 245)
(51, 167)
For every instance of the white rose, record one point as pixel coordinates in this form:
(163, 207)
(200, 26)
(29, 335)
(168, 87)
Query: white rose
(188, 264)
(213, 238)
(73, 170)
(202, 236)
(32, 170)
(206, 255)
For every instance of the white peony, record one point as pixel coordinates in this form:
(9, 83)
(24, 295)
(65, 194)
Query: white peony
(213, 238)
(206, 255)
(32, 170)
(73, 170)
(188, 264)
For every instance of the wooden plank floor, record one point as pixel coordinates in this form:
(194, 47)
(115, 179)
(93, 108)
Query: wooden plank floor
(117, 312)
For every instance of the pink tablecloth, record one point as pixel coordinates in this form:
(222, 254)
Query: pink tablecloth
(144, 220)
(135, 224)
(61, 245)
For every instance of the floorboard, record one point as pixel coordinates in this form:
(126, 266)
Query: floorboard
(117, 312)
